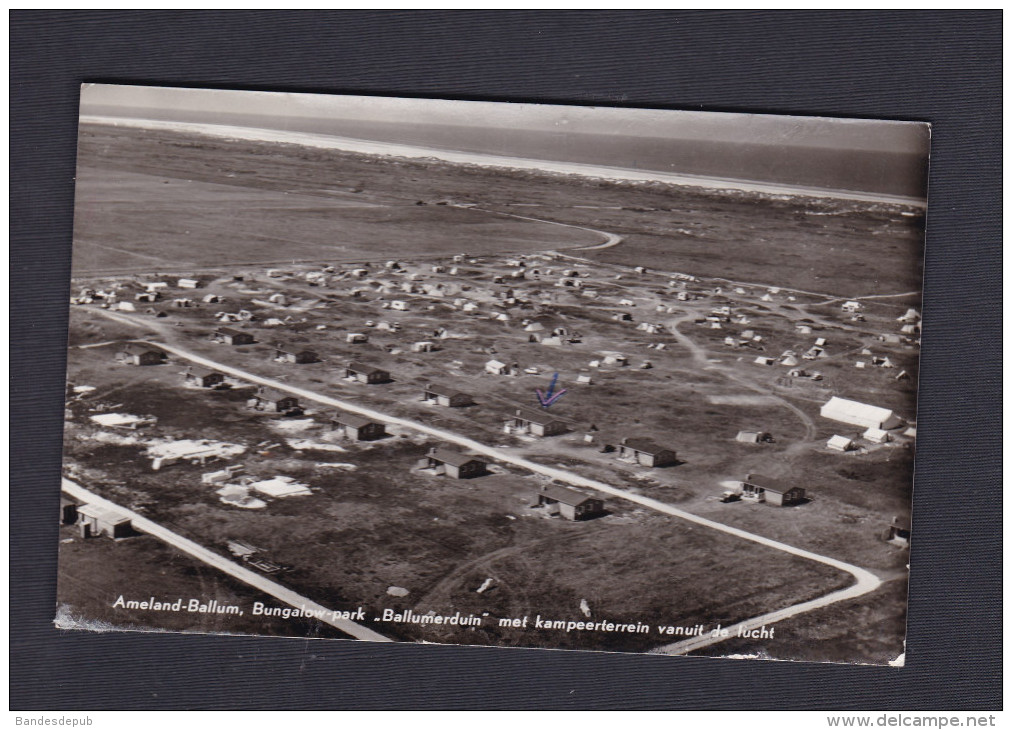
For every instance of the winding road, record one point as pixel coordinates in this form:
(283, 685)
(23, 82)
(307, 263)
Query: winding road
(864, 580)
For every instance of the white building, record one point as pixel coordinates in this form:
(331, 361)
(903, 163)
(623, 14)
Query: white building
(859, 414)
(497, 368)
(840, 443)
(877, 436)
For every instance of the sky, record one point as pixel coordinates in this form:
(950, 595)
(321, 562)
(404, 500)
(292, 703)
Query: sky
(820, 132)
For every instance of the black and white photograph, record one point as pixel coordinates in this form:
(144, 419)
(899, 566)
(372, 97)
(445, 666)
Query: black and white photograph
(497, 374)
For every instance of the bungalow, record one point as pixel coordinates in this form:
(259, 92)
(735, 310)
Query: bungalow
(646, 453)
(765, 489)
(204, 378)
(444, 396)
(424, 346)
(898, 531)
(96, 520)
(366, 373)
(140, 355)
(358, 428)
(569, 503)
(274, 402)
(294, 355)
(68, 511)
(455, 464)
(231, 336)
(536, 423)
(400, 306)
(356, 338)
(852, 306)
(187, 284)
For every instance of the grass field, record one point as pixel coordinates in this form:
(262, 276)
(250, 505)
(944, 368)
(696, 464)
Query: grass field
(866, 630)
(94, 573)
(381, 525)
(288, 202)
(151, 203)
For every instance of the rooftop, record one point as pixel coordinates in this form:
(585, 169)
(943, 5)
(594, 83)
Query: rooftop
(767, 483)
(352, 419)
(565, 495)
(364, 369)
(104, 514)
(443, 390)
(136, 349)
(645, 446)
(533, 416)
(454, 458)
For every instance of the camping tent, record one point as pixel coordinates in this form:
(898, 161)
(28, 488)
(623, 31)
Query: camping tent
(877, 436)
(840, 443)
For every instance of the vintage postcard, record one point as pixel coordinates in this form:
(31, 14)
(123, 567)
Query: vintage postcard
(492, 374)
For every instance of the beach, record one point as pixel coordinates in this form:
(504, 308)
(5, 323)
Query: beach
(370, 147)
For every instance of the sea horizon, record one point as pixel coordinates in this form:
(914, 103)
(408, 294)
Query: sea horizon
(323, 140)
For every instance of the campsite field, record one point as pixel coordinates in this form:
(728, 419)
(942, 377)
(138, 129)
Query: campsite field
(303, 247)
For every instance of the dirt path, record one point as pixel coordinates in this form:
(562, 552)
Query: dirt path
(701, 356)
(286, 595)
(876, 296)
(446, 583)
(610, 239)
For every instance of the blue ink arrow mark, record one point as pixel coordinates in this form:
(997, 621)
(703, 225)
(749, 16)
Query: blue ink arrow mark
(547, 399)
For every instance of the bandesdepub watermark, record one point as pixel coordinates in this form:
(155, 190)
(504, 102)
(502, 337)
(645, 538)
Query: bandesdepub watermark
(47, 721)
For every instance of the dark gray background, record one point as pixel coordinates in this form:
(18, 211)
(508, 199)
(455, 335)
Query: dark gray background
(941, 67)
